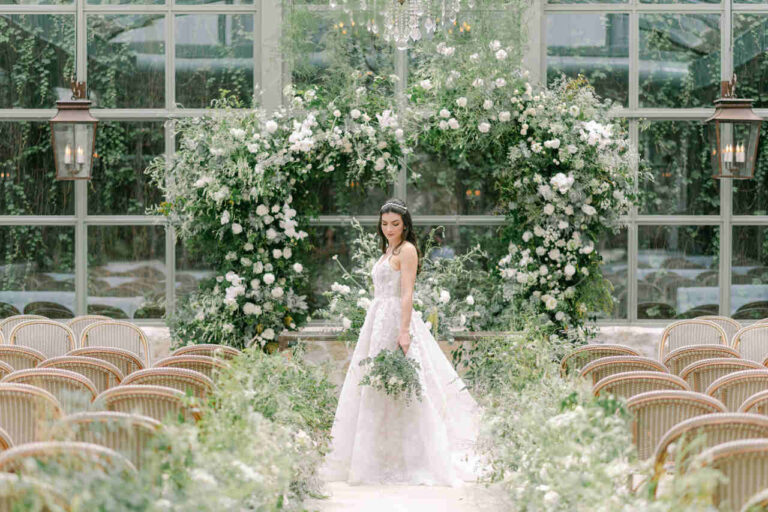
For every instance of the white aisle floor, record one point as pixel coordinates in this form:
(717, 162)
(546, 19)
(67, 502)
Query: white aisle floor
(402, 498)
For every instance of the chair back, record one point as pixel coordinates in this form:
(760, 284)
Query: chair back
(729, 325)
(7, 324)
(757, 403)
(20, 358)
(700, 374)
(681, 357)
(733, 389)
(74, 391)
(605, 366)
(49, 337)
(72, 455)
(629, 384)
(577, 359)
(716, 428)
(125, 361)
(117, 334)
(158, 402)
(206, 365)
(5, 369)
(5, 440)
(655, 412)
(25, 411)
(130, 435)
(744, 463)
(186, 381)
(752, 342)
(690, 332)
(102, 374)
(79, 323)
(757, 503)
(210, 350)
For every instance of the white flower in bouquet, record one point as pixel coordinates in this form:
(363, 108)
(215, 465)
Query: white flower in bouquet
(536, 147)
(258, 267)
(237, 228)
(543, 270)
(221, 194)
(271, 234)
(568, 210)
(549, 302)
(587, 249)
(554, 254)
(470, 300)
(574, 110)
(500, 82)
(569, 271)
(588, 209)
(277, 253)
(298, 268)
(337, 113)
(443, 125)
(231, 256)
(271, 126)
(246, 262)
(363, 303)
(287, 253)
(346, 323)
(562, 225)
(355, 113)
(228, 328)
(268, 219)
(540, 251)
(522, 277)
(277, 292)
(549, 209)
(381, 163)
(225, 217)
(552, 144)
(461, 102)
(268, 278)
(445, 113)
(248, 247)
(262, 210)
(527, 236)
(251, 309)
(268, 334)
(501, 55)
(426, 84)
(232, 277)
(453, 124)
(562, 182)
(445, 296)
(488, 104)
(484, 127)
(504, 116)
(572, 149)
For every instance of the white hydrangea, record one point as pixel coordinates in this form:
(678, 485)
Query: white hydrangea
(484, 127)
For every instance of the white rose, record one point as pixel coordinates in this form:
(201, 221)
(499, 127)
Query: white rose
(470, 300)
(251, 309)
(527, 236)
(569, 271)
(501, 55)
(522, 277)
(500, 82)
(277, 253)
(540, 251)
(494, 45)
(478, 82)
(425, 84)
(225, 218)
(504, 116)
(488, 104)
(445, 113)
(271, 234)
(588, 210)
(346, 323)
(237, 228)
(549, 302)
(484, 127)
(262, 210)
(287, 253)
(271, 126)
(355, 113)
(453, 124)
(445, 297)
(363, 303)
(268, 278)
(336, 113)
(245, 262)
(258, 267)
(255, 284)
(268, 334)
(543, 270)
(462, 102)
(549, 209)
(298, 268)
(248, 247)
(277, 292)
(574, 110)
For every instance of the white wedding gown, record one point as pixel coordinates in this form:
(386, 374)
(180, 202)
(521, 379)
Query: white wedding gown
(378, 440)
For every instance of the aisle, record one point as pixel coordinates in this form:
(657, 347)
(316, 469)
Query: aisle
(375, 498)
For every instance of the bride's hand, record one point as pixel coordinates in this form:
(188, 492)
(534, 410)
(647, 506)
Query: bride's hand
(404, 340)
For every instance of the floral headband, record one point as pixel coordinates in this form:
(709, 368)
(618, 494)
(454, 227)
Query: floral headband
(400, 206)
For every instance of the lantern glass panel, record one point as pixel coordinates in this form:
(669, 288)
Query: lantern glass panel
(74, 149)
(733, 146)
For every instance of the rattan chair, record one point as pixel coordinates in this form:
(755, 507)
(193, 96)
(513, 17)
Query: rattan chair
(690, 332)
(716, 429)
(186, 381)
(655, 412)
(629, 384)
(126, 361)
(5, 440)
(757, 403)
(20, 358)
(102, 374)
(25, 410)
(79, 323)
(128, 434)
(7, 324)
(700, 374)
(757, 503)
(752, 342)
(605, 366)
(580, 357)
(733, 389)
(729, 325)
(681, 357)
(34, 494)
(73, 455)
(74, 391)
(49, 337)
(116, 334)
(744, 464)
(210, 350)
(5, 369)
(158, 402)
(208, 366)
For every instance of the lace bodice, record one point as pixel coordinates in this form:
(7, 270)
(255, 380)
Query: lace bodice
(386, 280)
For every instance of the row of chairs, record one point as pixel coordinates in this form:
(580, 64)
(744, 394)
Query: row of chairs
(750, 341)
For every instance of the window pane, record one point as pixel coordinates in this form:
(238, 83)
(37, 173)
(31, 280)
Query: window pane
(119, 185)
(679, 1)
(27, 172)
(38, 271)
(336, 196)
(126, 60)
(749, 273)
(214, 53)
(750, 197)
(750, 40)
(216, 2)
(613, 249)
(676, 155)
(36, 59)
(123, 2)
(587, 1)
(442, 189)
(191, 270)
(677, 274)
(593, 45)
(126, 271)
(679, 60)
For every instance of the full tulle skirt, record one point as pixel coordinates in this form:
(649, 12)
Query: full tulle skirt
(378, 440)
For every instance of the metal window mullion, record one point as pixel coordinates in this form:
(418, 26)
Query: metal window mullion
(632, 240)
(267, 51)
(170, 236)
(401, 70)
(461, 220)
(124, 220)
(634, 59)
(678, 220)
(749, 220)
(81, 186)
(725, 249)
(170, 62)
(38, 9)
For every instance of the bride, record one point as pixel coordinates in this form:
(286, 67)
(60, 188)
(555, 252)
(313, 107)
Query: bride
(380, 440)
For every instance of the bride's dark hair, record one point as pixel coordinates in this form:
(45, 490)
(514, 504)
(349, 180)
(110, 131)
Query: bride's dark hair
(398, 206)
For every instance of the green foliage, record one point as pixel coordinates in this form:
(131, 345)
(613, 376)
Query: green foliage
(393, 373)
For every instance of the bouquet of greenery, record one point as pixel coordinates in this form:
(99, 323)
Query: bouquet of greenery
(392, 372)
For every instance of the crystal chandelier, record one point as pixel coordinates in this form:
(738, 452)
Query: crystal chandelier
(407, 20)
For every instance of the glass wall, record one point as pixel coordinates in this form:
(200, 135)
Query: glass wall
(695, 247)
